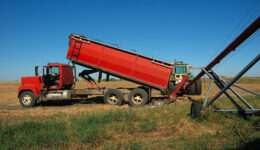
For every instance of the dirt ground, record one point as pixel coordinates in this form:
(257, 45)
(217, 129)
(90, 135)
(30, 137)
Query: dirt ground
(12, 111)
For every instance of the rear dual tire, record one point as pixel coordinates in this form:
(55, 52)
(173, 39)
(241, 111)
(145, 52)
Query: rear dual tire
(138, 97)
(113, 97)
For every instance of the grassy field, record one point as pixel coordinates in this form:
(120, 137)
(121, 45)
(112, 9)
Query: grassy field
(135, 128)
(92, 125)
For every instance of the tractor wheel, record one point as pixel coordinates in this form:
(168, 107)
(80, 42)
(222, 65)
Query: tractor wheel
(138, 97)
(195, 110)
(170, 89)
(113, 97)
(27, 99)
(192, 89)
(198, 87)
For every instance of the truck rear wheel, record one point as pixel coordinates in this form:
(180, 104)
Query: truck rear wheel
(113, 97)
(27, 99)
(198, 87)
(144, 88)
(138, 97)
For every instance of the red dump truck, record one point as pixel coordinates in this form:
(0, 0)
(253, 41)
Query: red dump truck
(58, 80)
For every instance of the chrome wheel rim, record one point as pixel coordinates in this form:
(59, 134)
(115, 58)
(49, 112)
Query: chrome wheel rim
(112, 99)
(27, 99)
(137, 98)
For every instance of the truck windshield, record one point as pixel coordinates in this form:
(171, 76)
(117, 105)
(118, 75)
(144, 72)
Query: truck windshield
(180, 69)
(54, 70)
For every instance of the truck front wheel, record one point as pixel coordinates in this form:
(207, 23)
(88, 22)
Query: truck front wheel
(27, 99)
(138, 97)
(113, 97)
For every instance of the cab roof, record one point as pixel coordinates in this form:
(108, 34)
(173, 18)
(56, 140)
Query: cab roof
(57, 64)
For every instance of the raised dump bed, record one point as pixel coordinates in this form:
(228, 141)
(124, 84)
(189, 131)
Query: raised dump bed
(118, 62)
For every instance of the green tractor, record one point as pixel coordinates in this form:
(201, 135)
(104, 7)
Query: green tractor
(178, 73)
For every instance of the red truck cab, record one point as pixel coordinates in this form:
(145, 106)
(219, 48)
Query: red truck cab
(54, 76)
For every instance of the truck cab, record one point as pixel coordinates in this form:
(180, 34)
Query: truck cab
(53, 77)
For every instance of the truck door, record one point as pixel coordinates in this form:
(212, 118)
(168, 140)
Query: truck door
(45, 77)
(54, 76)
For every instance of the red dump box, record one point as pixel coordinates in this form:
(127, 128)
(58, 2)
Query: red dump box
(118, 62)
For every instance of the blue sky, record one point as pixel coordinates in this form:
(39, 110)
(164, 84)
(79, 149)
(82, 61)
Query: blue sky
(36, 32)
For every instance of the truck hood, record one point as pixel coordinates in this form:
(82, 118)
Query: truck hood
(30, 80)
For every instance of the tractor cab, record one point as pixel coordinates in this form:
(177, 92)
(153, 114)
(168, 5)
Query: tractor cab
(180, 71)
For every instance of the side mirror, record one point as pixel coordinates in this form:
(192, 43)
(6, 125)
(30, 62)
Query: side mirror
(36, 71)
